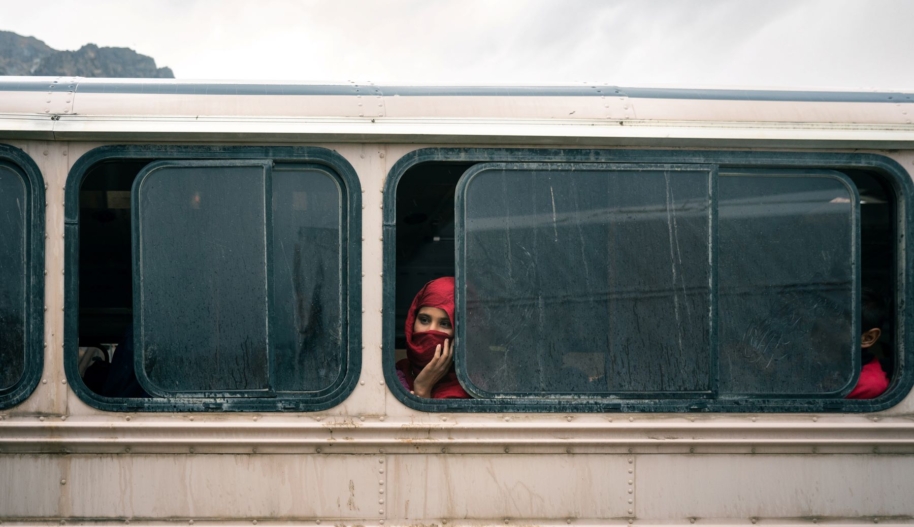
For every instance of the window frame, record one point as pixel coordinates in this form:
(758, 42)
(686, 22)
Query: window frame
(891, 172)
(33, 364)
(351, 258)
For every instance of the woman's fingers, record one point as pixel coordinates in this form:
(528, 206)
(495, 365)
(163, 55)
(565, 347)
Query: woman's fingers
(448, 351)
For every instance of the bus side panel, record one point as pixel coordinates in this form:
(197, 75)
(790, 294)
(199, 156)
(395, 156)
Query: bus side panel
(486, 487)
(672, 487)
(190, 486)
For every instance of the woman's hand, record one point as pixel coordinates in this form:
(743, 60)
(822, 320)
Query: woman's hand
(434, 370)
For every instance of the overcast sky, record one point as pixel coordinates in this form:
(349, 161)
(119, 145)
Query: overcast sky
(867, 44)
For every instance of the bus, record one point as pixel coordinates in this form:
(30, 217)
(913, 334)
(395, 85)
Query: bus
(659, 297)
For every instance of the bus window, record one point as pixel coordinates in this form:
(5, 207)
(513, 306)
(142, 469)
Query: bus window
(232, 289)
(13, 203)
(671, 283)
(21, 261)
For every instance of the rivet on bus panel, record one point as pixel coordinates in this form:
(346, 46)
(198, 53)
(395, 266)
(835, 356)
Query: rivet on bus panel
(317, 450)
(691, 520)
(63, 482)
(753, 520)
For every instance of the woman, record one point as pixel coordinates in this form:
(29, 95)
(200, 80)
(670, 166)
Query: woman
(428, 369)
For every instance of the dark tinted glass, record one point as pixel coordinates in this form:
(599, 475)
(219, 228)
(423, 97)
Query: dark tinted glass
(203, 278)
(307, 280)
(13, 214)
(587, 279)
(787, 276)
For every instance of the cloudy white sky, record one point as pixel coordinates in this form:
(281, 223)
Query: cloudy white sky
(841, 44)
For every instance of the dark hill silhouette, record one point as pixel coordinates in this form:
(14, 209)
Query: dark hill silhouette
(21, 55)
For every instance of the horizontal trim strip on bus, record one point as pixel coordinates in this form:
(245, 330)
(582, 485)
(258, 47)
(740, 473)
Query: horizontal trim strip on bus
(193, 88)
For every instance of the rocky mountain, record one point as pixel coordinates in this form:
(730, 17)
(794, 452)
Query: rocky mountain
(29, 56)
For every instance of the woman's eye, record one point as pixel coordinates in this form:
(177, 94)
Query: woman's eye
(445, 324)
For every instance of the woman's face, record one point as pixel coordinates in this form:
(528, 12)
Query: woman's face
(432, 319)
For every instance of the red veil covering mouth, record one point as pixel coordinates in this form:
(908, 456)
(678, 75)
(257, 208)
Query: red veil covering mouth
(420, 347)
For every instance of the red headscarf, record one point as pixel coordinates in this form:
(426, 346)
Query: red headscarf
(420, 347)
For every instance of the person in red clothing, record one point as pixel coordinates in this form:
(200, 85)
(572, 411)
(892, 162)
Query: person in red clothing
(873, 381)
(428, 369)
